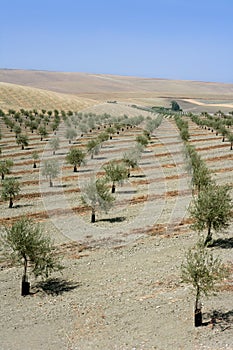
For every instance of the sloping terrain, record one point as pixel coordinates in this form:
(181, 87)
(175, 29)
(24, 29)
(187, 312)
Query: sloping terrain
(114, 295)
(14, 96)
(145, 91)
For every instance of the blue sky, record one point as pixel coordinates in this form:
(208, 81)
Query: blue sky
(174, 39)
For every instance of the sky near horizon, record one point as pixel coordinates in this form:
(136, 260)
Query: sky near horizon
(171, 39)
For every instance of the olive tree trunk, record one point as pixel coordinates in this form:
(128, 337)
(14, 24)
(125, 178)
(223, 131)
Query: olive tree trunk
(25, 287)
(198, 312)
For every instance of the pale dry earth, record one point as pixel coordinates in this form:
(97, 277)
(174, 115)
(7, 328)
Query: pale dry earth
(104, 87)
(121, 289)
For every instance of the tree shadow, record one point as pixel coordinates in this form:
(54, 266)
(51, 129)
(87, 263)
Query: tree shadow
(60, 153)
(84, 170)
(139, 176)
(127, 192)
(56, 286)
(145, 163)
(225, 243)
(22, 205)
(219, 318)
(113, 220)
(99, 158)
(62, 186)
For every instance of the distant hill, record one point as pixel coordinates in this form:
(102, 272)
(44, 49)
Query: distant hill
(84, 83)
(17, 96)
(104, 87)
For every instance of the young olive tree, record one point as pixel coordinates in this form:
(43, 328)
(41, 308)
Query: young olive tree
(24, 244)
(96, 195)
(93, 147)
(131, 159)
(50, 170)
(76, 157)
(111, 131)
(142, 140)
(10, 189)
(5, 167)
(55, 144)
(230, 139)
(35, 157)
(102, 137)
(115, 172)
(211, 209)
(71, 134)
(201, 176)
(203, 272)
(42, 132)
(22, 140)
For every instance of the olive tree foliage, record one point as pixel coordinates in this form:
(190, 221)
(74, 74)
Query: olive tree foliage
(50, 170)
(230, 139)
(102, 137)
(42, 132)
(55, 144)
(71, 134)
(95, 194)
(22, 140)
(24, 244)
(211, 210)
(142, 140)
(201, 176)
(10, 189)
(76, 157)
(93, 147)
(203, 272)
(35, 157)
(153, 124)
(183, 128)
(5, 167)
(131, 158)
(116, 172)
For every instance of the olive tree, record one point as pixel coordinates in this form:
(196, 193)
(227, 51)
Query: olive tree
(203, 272)
(24, 244)
(76, 157)
(50, 170)
(55, 144)
(131, 158)
(5, 167)
(96, 195)
(71, 134)
(93, 147)
(211, 209)
(22, 140)
(35, 157)
(42, 132)
(230, 139)
(102, 137)
(10, 189)
(142, 140)
(115, 172)
(201, 176)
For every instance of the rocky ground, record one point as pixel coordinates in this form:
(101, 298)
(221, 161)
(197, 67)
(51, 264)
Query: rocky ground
(122, 297)
(121, 287)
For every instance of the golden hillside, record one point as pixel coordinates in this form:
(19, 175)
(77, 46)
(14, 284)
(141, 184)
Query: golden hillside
(36, 89)
(97, 84)
(17, 96)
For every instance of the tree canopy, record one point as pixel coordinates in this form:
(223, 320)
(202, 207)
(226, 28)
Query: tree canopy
(25, 244)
